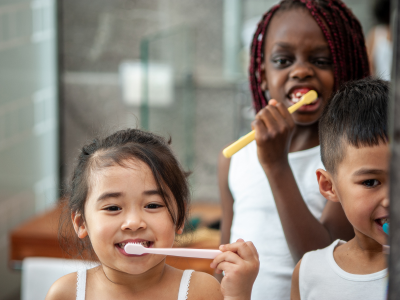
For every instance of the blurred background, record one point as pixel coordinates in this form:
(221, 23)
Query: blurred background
(71, 70)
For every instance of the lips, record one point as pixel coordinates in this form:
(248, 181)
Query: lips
(295, 95)
(121, 245)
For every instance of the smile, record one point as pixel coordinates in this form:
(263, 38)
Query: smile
(145, 244)
(121, 246)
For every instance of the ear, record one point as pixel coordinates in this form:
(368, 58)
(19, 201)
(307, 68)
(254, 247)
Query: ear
(326, 185)
(79, 225)
(263, 75)
(180, 230)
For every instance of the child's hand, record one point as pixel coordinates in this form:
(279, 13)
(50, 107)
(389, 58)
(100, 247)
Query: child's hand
(274, 128)
(240, 263)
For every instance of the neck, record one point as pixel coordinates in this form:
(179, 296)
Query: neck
(134, 282)
(304, 137)
(365, 244)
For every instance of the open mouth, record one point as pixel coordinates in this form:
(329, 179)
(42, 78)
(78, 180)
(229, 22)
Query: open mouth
(296, 94)
(382, 221)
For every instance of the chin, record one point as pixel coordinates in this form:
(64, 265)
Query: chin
(305, 123)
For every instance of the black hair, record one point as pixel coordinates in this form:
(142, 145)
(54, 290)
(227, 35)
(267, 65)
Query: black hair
(356, 115)
(118, 149)
(381, 11)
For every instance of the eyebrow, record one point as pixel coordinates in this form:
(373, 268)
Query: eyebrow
(108, 195)
(152, 192)
(285, 45)
(365, 171)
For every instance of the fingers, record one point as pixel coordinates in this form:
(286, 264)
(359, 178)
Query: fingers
(236, 253)
(227, 256)
(244, 249)
(274, 118)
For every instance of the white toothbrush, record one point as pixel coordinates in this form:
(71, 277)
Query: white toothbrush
(138, 249)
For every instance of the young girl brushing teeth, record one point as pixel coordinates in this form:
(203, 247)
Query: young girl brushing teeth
(129, 188)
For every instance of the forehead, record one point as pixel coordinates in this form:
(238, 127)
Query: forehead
(375, 157)
(132, 173)
(295, 27)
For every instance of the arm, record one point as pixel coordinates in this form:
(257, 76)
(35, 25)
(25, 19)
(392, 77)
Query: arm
(226, 202)
(370, 41)
(303, 232)
(295, 291)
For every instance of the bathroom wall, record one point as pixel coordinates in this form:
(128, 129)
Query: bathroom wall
(28, 120)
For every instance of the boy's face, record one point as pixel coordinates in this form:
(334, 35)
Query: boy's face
(361, 185)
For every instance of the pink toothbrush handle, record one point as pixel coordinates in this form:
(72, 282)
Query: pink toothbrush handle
(185, 252)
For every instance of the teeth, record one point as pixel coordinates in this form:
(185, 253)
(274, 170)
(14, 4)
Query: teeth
(383, 221)
(142, 243)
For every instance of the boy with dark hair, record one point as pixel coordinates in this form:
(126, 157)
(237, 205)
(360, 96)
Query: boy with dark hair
(355, 153)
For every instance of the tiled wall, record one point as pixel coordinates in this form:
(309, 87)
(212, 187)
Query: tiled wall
(28, 120)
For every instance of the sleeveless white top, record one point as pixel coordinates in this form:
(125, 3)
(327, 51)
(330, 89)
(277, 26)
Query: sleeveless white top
(256, 218)
(320, 277)
(182, 295)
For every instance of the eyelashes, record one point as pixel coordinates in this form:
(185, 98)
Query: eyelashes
(370, 183)
(148, 206)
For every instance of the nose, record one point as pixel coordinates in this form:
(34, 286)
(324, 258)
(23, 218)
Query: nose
(385, 202)
(301, 70)
(133, 221)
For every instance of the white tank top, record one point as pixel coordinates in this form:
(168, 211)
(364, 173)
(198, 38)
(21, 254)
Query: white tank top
(320, 277)
(182, 294)
(256, 218)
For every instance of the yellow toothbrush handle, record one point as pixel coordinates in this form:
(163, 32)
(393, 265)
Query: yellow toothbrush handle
(248, 138)
(239, 144)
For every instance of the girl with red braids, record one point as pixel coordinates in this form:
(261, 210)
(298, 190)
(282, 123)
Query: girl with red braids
(269, 191)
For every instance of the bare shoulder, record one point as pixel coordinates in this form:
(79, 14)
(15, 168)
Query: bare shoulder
(204, 286)
(63, 289)
(295, 291)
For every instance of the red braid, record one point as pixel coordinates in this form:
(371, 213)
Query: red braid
(342, 31)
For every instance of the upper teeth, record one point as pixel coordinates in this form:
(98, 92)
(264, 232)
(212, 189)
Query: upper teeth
(384, 220)
(142, 243)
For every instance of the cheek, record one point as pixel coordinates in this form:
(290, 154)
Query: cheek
(328, 81)
(101, 230)
(359, 212)
(165, 230)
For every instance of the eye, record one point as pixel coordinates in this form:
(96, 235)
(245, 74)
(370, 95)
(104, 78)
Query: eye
(281, 62)
(112, 208)
(322, 62)
(153, 206)
(370, 183)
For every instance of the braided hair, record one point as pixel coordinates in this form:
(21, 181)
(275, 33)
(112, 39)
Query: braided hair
(342, 31)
